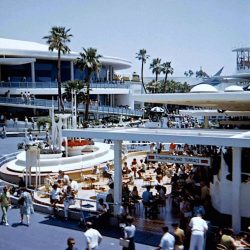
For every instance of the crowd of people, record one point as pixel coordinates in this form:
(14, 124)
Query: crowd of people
(190, 199)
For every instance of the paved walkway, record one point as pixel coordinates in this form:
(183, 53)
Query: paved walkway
(50, 234)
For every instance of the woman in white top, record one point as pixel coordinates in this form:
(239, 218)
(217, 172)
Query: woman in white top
(68, 197)
(27, 208)
(55, 197)
(129, 233)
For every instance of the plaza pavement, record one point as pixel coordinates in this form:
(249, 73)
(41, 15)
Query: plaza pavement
(51, 234)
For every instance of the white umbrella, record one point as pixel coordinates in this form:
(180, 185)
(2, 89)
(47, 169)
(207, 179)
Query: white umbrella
(157, 110)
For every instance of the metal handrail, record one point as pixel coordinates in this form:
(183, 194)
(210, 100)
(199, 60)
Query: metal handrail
(34, 85)
(6, 158)
(68, 106)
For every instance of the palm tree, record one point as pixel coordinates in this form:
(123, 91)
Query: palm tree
(58, 39)
(77, 87)
(201, 74)
(190, 72)
(166, 69)
(88, 62)
(156, 67)
(186, 73)
(142, 55)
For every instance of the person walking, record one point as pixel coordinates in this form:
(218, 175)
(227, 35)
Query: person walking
(71, 244)
(93, 237)
(27, 208)
(5, 205)
(129, 233)
(4, 132)
(167, 240)
(179, 237)
(198, 228)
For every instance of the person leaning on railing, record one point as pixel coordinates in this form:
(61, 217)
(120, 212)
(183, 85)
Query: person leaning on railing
(68, 200)
(55, 197)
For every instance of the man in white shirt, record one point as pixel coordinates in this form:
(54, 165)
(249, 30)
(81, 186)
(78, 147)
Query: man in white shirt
(93, 237)
(167, 240)
(74, 186)
(198, 227)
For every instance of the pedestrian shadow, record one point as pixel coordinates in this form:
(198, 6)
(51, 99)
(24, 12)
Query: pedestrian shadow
(18, 224)
(58, 222)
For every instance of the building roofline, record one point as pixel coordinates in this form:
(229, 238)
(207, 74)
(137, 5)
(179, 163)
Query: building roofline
(11, 47)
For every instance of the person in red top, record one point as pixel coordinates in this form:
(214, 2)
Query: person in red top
(172, 147)
(134, 166)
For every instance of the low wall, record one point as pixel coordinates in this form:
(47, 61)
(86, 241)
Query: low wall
(221, 195)
(63, 163)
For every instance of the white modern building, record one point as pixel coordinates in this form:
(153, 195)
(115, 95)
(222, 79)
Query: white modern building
(31, 67)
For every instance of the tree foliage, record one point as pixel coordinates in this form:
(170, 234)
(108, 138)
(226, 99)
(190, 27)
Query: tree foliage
(88, 62)
(58, 39)
(156, 67)
(171, 87)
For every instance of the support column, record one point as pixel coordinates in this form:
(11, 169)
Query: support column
(107, 74)
(72, 71)
(33, 76)
(118, 175)
(236, 184)
(206, 124)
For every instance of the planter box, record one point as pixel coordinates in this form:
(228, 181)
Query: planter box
(76, 150)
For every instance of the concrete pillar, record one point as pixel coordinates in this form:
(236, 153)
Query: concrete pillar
(236, 184)
(118, 175)
(223, 169)
(112, 73)
(206, 124)
(33, 75)
(72, 71)
(107, 74)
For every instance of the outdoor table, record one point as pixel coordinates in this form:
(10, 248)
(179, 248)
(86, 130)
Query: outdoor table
(99, 184)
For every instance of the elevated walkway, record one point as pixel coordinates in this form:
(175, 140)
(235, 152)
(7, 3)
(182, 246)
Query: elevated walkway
(47, 105)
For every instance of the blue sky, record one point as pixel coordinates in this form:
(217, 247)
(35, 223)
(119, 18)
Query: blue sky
(189, 33)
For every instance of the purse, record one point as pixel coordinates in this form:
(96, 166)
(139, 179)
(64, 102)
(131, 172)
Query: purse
(124, 242)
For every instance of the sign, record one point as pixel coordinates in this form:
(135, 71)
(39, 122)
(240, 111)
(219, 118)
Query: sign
(181, 159)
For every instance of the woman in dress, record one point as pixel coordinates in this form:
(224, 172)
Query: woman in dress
(129, 233)
(68, 198)
(5, 204)
(27, 208)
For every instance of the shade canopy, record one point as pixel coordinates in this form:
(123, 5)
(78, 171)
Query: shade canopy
(157, 110)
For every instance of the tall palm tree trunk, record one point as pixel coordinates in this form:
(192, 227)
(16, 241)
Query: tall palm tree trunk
(142, 80)
(156, 77)
(86, 115)
(165, 83)
(59, 82)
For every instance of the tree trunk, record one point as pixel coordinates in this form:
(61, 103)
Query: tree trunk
(165, 83)
(59, 83)
(142, 80)
(86, 115)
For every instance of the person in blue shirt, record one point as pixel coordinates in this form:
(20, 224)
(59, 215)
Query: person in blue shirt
(147, 198)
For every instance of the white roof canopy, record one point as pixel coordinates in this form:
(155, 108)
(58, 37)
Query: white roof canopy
(233, 101)
(233, 138)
